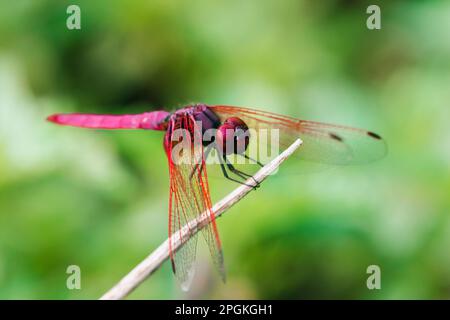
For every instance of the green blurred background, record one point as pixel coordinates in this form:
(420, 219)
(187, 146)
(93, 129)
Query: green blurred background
(98, 199)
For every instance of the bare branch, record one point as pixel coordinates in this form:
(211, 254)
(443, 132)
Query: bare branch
(150, 264)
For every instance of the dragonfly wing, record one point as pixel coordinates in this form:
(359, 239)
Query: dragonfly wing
(179, 215)
(189, 200)
(322, 143)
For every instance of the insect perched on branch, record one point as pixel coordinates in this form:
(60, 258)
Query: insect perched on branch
(194, 133)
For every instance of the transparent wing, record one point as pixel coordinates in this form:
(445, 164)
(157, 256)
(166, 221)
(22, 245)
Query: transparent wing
(326, 144)
(189, 199)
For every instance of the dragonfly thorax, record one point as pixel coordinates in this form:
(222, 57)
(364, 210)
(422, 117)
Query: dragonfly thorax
(231, 136)
(207, 117)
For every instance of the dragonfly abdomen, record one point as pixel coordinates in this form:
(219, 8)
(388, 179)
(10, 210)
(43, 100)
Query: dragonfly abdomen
(148, 120)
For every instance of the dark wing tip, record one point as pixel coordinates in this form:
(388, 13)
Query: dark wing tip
(335, 137)
(173, 266)
(374, 135)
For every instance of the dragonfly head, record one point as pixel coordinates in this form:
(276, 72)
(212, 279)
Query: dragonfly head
(233, 136)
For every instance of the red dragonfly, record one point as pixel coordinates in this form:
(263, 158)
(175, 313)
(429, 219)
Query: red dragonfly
(189, 195)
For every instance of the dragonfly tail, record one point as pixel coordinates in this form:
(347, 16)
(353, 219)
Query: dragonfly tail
(155, 120)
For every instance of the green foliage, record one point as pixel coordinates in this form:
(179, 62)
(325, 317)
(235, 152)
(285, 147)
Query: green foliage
(99, 199)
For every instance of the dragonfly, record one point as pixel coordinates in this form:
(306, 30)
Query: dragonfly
(189, 195)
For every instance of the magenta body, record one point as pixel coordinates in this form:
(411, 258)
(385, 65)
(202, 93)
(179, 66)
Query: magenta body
(164, 121)
(155, 120)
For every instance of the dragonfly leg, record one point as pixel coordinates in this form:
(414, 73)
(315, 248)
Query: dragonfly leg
(239, 173)
(251, 159)
(225, 174)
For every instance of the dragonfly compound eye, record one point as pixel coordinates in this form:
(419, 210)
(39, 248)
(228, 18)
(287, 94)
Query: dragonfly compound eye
(232, 136)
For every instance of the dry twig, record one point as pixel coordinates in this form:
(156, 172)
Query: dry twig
(150, 264)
